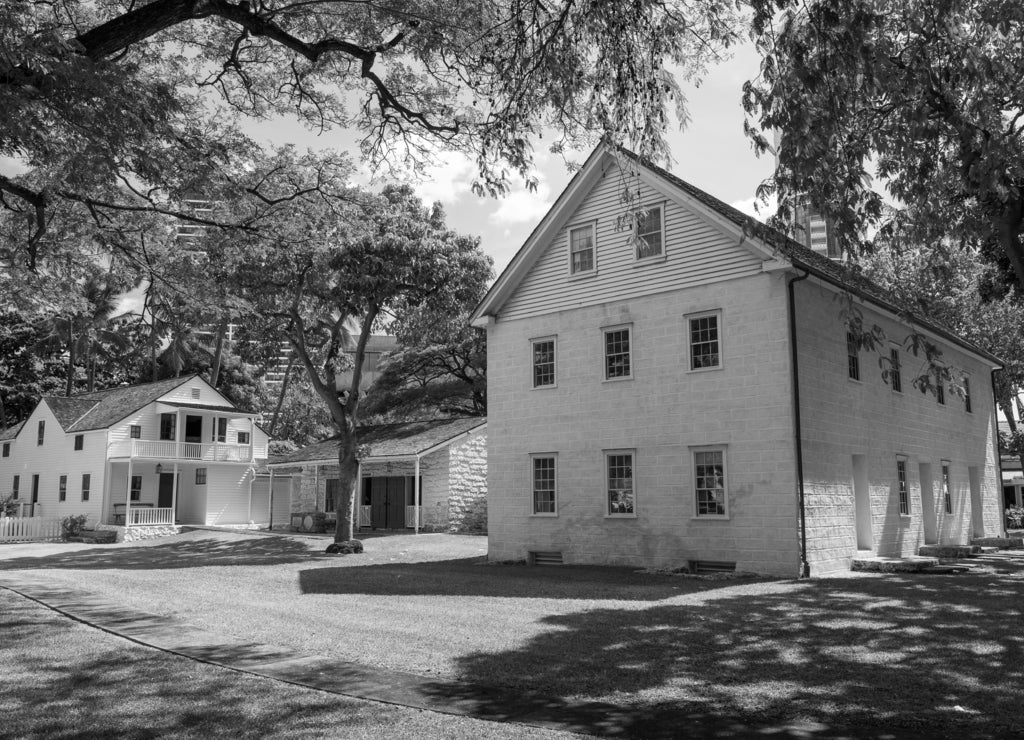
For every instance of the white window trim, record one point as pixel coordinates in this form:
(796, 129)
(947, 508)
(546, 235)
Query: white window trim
(533, 511)
(604, 353)
(634, 238)
(967, 395)
(582, 274)
(906, 474)
(724, 449)
(604, 475)
(717, 312)
(552, 338)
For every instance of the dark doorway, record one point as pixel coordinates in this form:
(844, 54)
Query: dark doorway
(193, 429)
(388, 497)
(165, 494)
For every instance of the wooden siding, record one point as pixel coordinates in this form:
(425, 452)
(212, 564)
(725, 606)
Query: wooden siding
(54, 458)
(696, 253)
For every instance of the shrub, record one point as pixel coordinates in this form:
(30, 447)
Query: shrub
(8, 506)
(72, 526)
(1015, 516)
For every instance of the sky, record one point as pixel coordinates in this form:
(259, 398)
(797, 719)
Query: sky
(712, 153)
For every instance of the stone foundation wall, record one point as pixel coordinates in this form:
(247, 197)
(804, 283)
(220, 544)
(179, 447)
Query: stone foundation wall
(135, 534)
(467, 485)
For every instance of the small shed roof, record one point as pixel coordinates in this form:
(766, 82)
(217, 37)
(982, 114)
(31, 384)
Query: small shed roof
(388, 441)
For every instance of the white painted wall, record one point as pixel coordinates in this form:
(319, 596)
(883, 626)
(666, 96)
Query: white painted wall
(54, 458)
(663, 411)
(843, 417)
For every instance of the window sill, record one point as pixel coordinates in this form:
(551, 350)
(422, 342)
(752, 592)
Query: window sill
(544, 387)
(574, 276)
(620, 516)
(641, 261)
(617, 380)
(540, 515)
(710, 518)
(713, 368)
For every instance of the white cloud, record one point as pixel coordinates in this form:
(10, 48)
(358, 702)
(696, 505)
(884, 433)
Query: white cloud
(757, 209)
(448, 180)
(523, 206)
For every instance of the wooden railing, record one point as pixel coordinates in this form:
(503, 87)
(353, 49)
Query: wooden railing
(29, 529)
(149, 517)
(171, 450)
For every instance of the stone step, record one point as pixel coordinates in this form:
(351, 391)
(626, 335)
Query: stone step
(875, 564)
(1001, 542)
(948, 551)
(946, 569)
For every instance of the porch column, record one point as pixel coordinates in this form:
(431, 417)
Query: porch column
(108, 473)
(316, 488)
(416, 493)
(128, 496)
(174, 496)
(252, 440)
(270, 505)
(177, 435)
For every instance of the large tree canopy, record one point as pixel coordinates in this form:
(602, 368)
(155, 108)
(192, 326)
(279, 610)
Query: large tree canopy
(118, 105)
(923, 96)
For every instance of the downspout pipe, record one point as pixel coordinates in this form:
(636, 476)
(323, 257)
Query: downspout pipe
(805, 567)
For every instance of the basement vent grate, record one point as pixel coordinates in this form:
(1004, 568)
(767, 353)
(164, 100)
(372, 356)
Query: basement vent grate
(711, 566)
(545, 558)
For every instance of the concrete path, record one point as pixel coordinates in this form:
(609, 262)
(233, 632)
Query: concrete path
(365, 682)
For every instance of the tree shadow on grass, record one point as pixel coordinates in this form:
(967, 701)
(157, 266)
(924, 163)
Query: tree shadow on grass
(901, 656)
(476, 577)
(193, 553)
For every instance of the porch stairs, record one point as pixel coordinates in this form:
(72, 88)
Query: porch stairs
(936, 559)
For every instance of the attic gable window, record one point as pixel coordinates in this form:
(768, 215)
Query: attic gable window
(581, 250)
(7, 449)
(79, 441)
(42, 432)
(649, 231)
(195, 393)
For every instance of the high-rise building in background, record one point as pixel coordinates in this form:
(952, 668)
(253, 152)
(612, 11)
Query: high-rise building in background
(808, 225)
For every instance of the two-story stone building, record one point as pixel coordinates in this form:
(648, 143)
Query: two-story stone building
(670, 382)
(143, 457)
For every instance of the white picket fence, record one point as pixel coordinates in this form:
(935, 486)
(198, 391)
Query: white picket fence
(29, 529)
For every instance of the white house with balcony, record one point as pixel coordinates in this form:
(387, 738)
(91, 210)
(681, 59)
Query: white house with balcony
(154, 456)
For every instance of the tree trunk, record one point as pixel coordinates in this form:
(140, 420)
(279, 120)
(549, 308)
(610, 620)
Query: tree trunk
(218, 352)
(348, 471)
(70, 388)
(1008, 230)
(284, 391)
(3, 413)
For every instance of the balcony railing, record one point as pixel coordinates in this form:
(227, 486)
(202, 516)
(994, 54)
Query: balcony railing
(170, 450)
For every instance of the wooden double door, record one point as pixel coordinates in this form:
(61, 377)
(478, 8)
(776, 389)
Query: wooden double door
(387, 497)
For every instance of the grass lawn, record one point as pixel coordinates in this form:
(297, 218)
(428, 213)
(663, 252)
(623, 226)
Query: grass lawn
(65, 680)
(867, 655)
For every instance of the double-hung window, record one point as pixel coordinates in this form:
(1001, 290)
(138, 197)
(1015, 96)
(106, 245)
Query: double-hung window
(705, 341)
(709, 483)
(650, 233)
(852, 357)
(901, 483)
(895, 370)
(62, 491)
(581, 250)
(545, 489)
(15, 485)
(947, 495)
(41, 432)
(967, 395)
(543, 362)
(220, 430)
(135, 431)
(86, 484)
(79, 441)
(618, 359)
(168, 423)
(136, 487)
(7, 449)
(200, 476)
(940, 389)
(621, 484)
(243, 438)
(332, 494)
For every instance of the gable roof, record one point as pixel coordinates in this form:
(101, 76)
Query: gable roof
(775, 242)
(388, 441)
(99, 409)
(11, 432)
